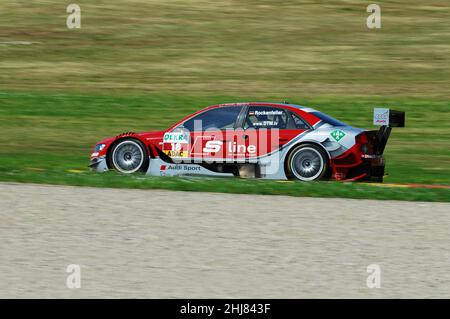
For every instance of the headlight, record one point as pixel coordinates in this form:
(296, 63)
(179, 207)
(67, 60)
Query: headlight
(99, 148)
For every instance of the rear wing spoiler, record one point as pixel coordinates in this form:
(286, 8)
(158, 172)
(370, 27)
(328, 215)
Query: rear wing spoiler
(386, 118)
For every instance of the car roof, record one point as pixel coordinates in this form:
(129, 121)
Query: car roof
(310, 118)
(300, 107)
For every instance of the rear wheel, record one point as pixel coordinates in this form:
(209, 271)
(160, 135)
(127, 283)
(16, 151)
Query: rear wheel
(129, 156)
(307, 162)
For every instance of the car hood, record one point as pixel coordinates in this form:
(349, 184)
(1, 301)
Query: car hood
(149, 136)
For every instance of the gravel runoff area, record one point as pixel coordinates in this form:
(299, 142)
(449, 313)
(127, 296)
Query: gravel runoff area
(164, 244)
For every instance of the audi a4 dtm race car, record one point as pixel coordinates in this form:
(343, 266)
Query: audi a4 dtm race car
(261, 140)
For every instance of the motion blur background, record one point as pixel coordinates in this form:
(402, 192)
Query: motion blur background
(141, 65)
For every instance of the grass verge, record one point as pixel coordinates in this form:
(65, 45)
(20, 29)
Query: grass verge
(228, 185)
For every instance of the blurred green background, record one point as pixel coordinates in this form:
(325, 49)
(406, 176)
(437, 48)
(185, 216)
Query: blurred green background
(142, 65)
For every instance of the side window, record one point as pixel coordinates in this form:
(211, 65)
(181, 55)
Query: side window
(266, 117)
(299, 122)
(220, 118)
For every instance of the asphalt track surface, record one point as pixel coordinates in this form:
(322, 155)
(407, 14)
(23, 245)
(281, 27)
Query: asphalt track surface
(163, 244)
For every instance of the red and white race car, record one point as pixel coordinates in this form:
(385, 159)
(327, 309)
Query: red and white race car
(261, 140)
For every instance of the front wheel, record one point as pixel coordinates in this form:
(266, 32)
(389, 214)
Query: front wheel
(129, 156)
(307, 162)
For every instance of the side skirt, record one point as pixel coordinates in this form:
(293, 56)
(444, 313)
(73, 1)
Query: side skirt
(271, 168)
(159, 167)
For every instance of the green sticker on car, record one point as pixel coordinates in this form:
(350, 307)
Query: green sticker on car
(337, 135)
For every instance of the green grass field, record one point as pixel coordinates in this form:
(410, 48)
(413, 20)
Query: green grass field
(141, 65)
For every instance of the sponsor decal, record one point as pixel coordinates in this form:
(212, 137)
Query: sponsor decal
(232, 147)
(171, 153)
(179, 167)
(337, 135)
(176, 138)
(381, 116)
(212, 146)
(266, 123)
(272, 112)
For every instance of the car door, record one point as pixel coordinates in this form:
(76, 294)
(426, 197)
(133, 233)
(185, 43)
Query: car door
(208, 132)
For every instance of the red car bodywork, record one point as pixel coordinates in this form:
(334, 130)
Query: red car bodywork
(356, 163)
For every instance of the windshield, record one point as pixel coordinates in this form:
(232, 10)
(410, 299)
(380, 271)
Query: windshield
(328, 119)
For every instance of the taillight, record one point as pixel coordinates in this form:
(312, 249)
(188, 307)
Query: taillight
(364, 148)
(362, 138)
(364, 144)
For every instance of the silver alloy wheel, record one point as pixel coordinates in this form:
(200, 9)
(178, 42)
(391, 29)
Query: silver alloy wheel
(128, 157)
(307, 164)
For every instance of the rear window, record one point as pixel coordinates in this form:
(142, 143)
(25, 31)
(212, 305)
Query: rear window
(299, 122)
(328, 119)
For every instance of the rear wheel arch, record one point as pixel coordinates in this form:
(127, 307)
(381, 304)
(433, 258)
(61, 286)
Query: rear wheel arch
(312, 143)
(319, 147)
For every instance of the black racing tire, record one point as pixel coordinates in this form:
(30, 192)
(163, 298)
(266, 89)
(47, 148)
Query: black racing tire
(307, 162)
(128, 156)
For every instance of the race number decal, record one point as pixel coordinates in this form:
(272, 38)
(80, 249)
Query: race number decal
(176, 145)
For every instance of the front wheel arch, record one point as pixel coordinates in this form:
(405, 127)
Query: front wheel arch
(146, 151)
